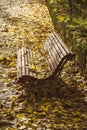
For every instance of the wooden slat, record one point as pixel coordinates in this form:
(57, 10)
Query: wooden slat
(57, 50)
(23, 62)
(24, 50)
(35, 74)
(57, 47)
(62, 50)
(32, 72)
(48, 60)
(51, 55)
(29, 55)
(58, 39)
(20, 63)
(53, 52)
(62, 43)
(19, 75)
(26, 61)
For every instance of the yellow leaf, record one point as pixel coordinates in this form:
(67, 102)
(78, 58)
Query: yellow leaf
(35, 113)
(39, 68)
(44, 53)
(10, 74)
(45, 108)
(33, 66)
(26, 122)
(22, 117)
(55, 126)
(12, 64)
(41, 76)
(14, 97)
(1, 58)
(15, 31)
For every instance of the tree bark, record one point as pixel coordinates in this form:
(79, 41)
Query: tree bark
(70, 9)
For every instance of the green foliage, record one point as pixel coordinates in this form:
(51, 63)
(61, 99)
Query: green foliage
(72, 27)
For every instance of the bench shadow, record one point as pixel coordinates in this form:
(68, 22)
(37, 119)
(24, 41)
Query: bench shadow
(56, 88)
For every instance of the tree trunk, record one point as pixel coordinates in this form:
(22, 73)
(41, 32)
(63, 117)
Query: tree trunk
(70, 9)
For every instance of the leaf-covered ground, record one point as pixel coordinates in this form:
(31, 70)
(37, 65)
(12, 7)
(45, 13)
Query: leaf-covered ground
(57, 104)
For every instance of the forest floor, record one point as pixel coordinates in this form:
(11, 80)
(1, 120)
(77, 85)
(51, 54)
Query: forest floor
(58, 104)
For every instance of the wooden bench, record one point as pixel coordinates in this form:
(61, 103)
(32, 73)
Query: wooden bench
(44, 63)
